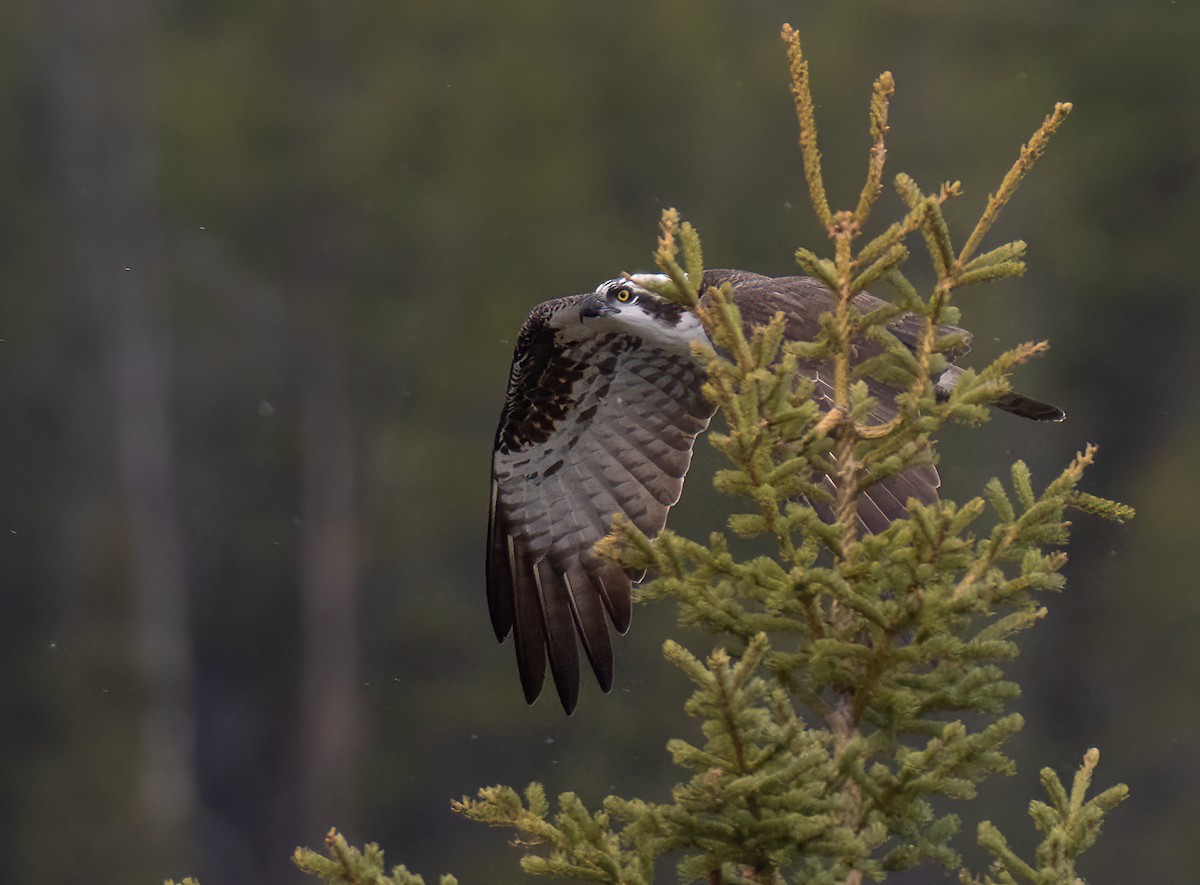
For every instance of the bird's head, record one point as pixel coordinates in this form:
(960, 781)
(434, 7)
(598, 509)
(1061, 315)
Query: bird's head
(627, 305)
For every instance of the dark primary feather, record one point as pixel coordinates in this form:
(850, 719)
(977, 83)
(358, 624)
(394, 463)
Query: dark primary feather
(605, 425)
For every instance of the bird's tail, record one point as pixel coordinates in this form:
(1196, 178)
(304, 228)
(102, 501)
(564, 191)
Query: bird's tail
(1026, 407)
(1014, 403)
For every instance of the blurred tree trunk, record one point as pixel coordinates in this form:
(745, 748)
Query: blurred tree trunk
(331, 714)
(102, 161)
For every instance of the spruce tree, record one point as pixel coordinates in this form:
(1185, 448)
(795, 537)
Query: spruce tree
(855, 680)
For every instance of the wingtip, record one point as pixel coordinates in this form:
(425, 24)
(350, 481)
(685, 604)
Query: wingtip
(569, 701)
(500, 629)
(566, 682)
(568, 695)
(532, 688)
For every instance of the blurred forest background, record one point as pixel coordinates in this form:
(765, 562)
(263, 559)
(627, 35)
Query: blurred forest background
(261, 270)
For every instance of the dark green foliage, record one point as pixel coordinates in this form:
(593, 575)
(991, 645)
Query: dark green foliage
(344, 863)
(856, 679)
(1070, 824)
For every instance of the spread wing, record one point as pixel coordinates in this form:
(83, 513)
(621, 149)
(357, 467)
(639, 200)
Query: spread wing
(802, 301)
(592, 429)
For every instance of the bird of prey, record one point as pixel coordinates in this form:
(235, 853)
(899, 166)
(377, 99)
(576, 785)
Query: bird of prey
(603, 407)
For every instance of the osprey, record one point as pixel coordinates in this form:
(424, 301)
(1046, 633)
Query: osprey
(603, 408)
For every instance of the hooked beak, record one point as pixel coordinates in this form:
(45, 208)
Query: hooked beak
(593, 306)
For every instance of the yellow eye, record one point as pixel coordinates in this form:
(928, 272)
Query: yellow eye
(624, 295)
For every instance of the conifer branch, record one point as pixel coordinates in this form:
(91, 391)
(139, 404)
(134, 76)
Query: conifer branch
(802, 93)
(1030, 153)
(873, 186)
(1070, 823)
(577, 844)
(685, 280)
(343, 864)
